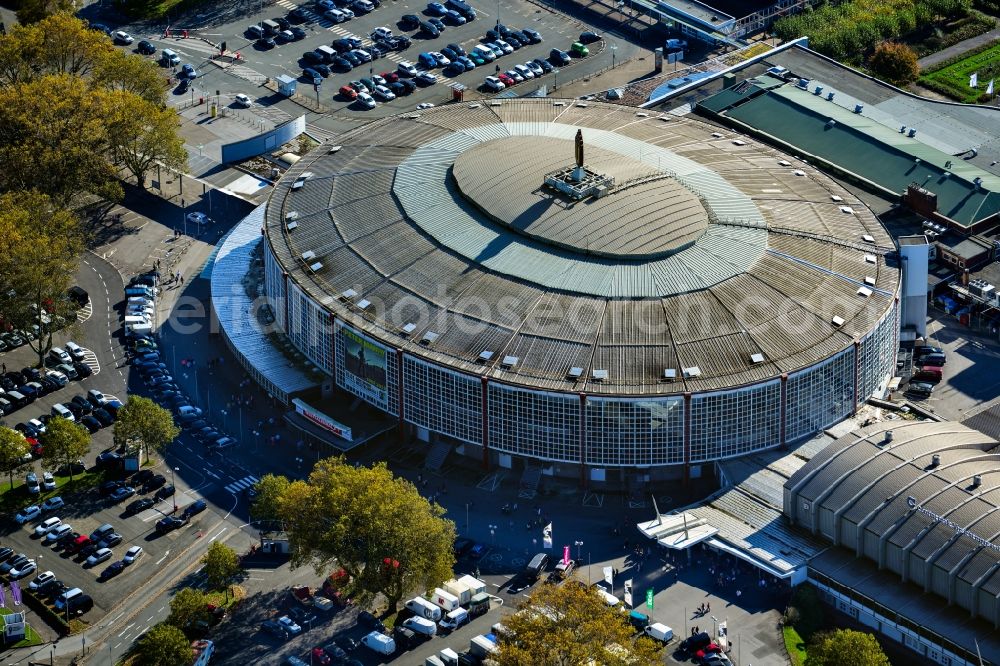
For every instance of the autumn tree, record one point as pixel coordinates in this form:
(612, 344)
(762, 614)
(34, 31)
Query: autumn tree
(845, 647)
(894, 62)
(40, 249)
(13, 448)
(188, 606)
(33, 11)
(59, 44)
(54, 139)
(163, 645)
(64, 442)
(143, 424)
(142, 134)
(267, 504)
(569, 625)
(222, 564)
(377, 527)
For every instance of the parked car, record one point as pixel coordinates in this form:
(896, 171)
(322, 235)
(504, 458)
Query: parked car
(100, 555)
(52, 503)
(132, 554)
(139, 505)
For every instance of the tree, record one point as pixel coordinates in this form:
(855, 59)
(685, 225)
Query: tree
(569, 625)
(13, 448)
(40, 249)
(805, 611)
(845, 647)
(894, 62)
(187, 607)
(54, 139)
(64, 442)
(143, 423)
(221, 565)
(377, 527)
(163, 645)
(33, 11)
(267, 504)
(121, 71)
(143, 133)
(59, 44)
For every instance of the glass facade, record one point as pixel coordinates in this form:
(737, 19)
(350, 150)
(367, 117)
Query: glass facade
(538, 424)
(274, 286)
(443, 400)
(368, 369)
(628, 432)
(878, 355)
(731, 423)
(820, 396)
(309, 329)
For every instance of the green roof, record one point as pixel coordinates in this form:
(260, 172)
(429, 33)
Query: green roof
(864, 147)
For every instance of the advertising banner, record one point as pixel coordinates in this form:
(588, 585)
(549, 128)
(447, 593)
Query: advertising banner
(364, 367)
(322, 420)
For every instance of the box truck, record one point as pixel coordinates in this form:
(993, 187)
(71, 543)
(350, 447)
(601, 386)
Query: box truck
(482, 647)
(446, 600)
(477, 586)
(460, 590)
(660, 632)
(423, 608)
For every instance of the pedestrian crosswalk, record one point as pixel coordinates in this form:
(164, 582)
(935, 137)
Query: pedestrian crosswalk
(242, 484)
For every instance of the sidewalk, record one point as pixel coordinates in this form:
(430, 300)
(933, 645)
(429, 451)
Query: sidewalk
(958, 49)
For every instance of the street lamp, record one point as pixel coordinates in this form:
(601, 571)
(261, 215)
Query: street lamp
(555, 74)
(614, 47)
(715, 627)
(493, 534)
(172, 470)
(578, 544)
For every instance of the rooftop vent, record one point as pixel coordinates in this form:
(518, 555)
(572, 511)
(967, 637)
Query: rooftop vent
(831, 123)
(977, 480)
(738, 142)
(693, 371)
(301, 180)
(429, 338)
(784, 163)
(408, 329)
(308, 255)
(485, 356)
(870, 281)
(912, 133)
(935, 460)
(317, 267)
(756, 358)
(475, 106)
(799, 172)
(717, 135)
(888, 436)
(642, 114)
(865, 292)
(291, 225)
(599, 375)
(868, 238)
(847, 210)
(333, 150)
(292, 215)
(818, 90)
(558, 103)
(834, 197)
(509, 361)
(582, 105)
(804, 84)
(574, 373)
(348, 295)
(829, 96)
(871, 259)
(837, 321)
(670, 374)
(364, 303)
(902, 129)
(858, 108)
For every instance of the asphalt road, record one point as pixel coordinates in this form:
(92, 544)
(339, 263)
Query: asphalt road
(558, 31)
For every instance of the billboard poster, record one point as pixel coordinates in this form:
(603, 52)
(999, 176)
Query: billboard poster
(364, 368)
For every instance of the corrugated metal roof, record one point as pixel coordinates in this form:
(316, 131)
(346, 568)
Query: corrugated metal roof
(408, 241)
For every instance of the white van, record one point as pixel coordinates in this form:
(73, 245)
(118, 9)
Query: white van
(169, 58)
(135, 320)
(660, 632)
(328, 53)
(140, 300)
(140, 311)
(379, 643)
(75, 351)
(139, 330)
(423, 608)
(63, 598)
(59, 409)
(455, 619)
(420, 625)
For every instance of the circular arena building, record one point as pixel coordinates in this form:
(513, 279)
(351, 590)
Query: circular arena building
(661, 295)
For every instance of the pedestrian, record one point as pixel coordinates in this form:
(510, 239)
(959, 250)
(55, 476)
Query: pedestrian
(5, 368)
(708, 607)
(739, 593)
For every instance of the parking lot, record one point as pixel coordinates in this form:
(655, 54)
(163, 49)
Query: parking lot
(255, 63)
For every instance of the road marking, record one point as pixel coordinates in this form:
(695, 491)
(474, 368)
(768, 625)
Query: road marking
(219, 534)
(162, 608)
(118, 617)
(242, 484)
(128, 627)
(164, 557)
(212, 474)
